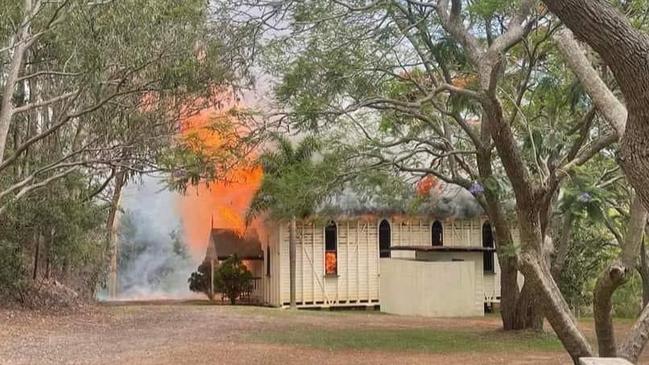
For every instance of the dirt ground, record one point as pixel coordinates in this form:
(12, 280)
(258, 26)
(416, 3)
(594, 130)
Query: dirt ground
(187, 333)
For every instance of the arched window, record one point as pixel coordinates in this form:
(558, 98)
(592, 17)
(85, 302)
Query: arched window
(384, 239)
(331, 248)
(488, 242)
(437, 238)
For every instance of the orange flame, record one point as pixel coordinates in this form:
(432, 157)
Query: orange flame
(331, 263)
(220, 204)
(426, 184)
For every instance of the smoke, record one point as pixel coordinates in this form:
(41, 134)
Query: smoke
(154, 261)
(447, 201)
(453, 201)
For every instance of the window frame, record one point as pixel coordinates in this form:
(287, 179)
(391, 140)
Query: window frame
(328, 251)
(383, 251)
(488, 256)
(432, 233)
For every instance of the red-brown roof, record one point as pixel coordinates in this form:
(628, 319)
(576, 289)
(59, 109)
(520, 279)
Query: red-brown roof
(224, 243)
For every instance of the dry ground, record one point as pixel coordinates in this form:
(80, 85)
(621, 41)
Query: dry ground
(188, 333)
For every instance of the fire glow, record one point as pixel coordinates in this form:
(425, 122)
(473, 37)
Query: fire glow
(218, 204)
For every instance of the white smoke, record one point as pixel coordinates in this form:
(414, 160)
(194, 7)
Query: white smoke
(152, 265)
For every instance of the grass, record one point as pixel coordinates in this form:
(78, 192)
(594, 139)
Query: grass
(414, 340)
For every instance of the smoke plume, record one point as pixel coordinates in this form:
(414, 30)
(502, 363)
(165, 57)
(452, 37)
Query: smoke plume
(154, 261)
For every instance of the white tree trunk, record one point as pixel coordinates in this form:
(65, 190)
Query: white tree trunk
(292, 253)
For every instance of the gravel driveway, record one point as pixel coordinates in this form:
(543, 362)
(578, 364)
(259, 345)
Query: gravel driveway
(187, 333)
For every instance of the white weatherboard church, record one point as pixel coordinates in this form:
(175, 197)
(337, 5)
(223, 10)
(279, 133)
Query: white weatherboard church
(415, 264)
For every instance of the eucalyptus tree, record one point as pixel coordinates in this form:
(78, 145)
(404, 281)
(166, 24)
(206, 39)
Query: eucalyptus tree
(101, 84)
(293, 186)
(93, 91)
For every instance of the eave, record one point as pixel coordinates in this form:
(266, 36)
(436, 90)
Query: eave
(442, 248)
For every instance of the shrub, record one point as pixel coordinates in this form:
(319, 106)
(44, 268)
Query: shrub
(232, 278)
(12, 270)
(199, 280)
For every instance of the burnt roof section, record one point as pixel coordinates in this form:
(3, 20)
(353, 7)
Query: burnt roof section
(224, 243)
(443, 248)
(451, 202)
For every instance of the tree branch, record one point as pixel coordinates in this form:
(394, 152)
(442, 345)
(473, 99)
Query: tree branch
(613, 111)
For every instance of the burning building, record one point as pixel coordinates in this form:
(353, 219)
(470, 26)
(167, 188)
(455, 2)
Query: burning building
(439, 261)
(226, 242)
(436, 261)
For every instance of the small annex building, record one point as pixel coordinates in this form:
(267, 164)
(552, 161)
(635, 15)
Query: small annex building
(224, 243)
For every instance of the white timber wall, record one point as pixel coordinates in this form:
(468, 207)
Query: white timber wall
(407, 288)
(356, 282)
(271, 282)
(413, 231)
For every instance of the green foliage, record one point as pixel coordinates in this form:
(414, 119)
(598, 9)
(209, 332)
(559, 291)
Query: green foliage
(137, 68)
(293, 184)
(199, 280)
(488, 8)
(589, 253)
(12, 270)
(64, 228)
(627, 300)
(582, 198)
(232, 278)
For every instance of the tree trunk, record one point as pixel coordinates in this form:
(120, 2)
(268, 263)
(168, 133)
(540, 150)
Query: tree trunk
(528, 310)
(509, 292)
(505, 250)
(16, 64)
(532, 262)
(562, 246)
(210, 293)
(48, 254)
(613, 277)
(6, 105)
(636, 339)
(555, 308)
(111, 232)
(291, 256)
(609, 280)
(643, 269)
(37, 239)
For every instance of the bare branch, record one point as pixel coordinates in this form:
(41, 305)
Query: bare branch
(43, 103)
